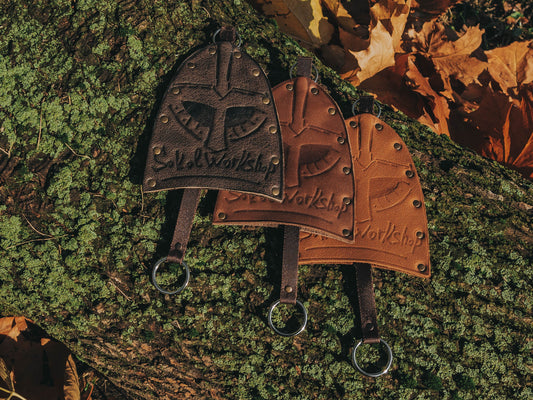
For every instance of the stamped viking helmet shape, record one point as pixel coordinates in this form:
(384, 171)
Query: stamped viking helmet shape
(217, 126)
(318, 193)
(390, 228)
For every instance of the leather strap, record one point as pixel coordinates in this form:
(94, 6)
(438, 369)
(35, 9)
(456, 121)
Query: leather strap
(303, 66)
(366, 105)
(367, 303)
(289, 268)
(189, 203)
(228, 34)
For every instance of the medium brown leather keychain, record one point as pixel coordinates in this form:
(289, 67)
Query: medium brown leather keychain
(318, 194)
(216, 128)
(390, 219)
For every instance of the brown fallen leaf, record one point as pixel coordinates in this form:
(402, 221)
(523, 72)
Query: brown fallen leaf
(365, 57)
(42, 367)
(303, 20)
(405, 86)
(511, 66)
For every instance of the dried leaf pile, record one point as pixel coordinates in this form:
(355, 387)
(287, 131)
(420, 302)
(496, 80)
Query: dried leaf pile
(397, 50)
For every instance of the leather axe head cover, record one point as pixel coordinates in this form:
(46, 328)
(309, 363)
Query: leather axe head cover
(318, 194)
(390, 227)
(217, 127)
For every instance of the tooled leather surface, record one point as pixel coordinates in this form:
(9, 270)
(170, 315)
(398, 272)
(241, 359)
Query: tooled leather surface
(318, 193)
(390, 218)
(217, 127)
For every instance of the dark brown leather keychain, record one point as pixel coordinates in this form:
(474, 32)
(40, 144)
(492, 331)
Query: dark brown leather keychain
(318, 194)
(390, 228)
(216, 128)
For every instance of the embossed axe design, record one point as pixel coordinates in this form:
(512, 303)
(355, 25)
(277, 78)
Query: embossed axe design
(319, 184)
(390, 226)
(216, 128)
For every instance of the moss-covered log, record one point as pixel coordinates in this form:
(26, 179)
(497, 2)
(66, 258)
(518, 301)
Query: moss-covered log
(80, 83)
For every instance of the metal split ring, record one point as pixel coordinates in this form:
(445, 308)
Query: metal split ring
(312, 66)
(154, 277)
(239, 39)
(357, 102)
(287, 334)
(373, 374)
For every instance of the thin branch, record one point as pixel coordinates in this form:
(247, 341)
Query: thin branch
(76, 154)
(35, 229)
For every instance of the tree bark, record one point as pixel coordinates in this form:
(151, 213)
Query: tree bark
(80, 86)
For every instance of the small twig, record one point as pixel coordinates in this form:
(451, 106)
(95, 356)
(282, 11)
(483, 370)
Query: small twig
(35, 229)
(123, 294)
(142, 200)
(8, 152)
(40, 129)
(76, 154)
(33, 240)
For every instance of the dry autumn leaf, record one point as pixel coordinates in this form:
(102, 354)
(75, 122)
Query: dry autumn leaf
(396, 50)
(303, 20)
(42, 368)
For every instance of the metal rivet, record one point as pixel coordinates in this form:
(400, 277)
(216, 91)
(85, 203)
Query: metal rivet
(275, 191)
(237, 54)
(289, 86)
(274, 160)
(409, 173)
(266, 100)
(191, 65)
(346, 170)
(341, 140)
(370, 326)
(417, 203)
(164, 119)
(353, 124)
(346, 232)
(420, 235)
(397, 146)
(222, 216)
(212, 50)
(314, 91)
(288, 289)
(422, 267)
(157, 150)
(151, 182)
(331, 111)
(379, 127)
(347, 201)
(176, 90)
(255, 72)
(273, 129)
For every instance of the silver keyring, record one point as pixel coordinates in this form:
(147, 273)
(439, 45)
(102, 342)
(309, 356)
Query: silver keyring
(154, 278)
(357, 102)
(312, 66)
(271, 324)
(239, 39)
(373, 374)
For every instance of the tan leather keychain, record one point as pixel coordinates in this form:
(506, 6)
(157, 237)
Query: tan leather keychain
(390, 224)
(318, 194)
(216, 128)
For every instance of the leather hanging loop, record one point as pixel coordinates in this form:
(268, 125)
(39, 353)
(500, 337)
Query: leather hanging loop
(216, 128)
(367, 303)
(289, 269)
(182, 231)
(228, 34)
